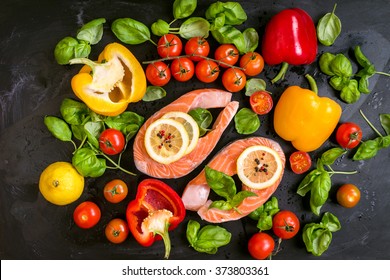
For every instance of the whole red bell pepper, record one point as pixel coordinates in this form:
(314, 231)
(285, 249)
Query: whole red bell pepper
(290, 38)
(156, 209)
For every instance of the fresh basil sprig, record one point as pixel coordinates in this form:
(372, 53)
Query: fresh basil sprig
(369, 149)
(264, 214)
(318, 181)
(224, 186)
(131, 31)
(328, 28)
(318, 236)
(246, 121)
(208, 238)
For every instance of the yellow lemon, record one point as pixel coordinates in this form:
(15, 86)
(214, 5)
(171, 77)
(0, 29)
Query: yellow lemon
(259, 167)
(60, 183)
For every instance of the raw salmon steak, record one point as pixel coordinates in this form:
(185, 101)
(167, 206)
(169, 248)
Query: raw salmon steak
(201, 98)
(196, 193)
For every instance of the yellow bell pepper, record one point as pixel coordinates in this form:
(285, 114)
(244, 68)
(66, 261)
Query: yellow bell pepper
(110, 84)
(304, 118)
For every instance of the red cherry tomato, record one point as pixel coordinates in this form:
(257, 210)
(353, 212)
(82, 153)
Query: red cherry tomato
(182, 69)
(233, 79)
(261, 102)
(261, 245)
(115, 191)
(112, 141)
(196, 47)
(207, 71)
(285, 224)
(158, 73)
(348, 135)
(169, 45)
(300, 162)
(86, 215)
(116, 231)
(226, 53)
(252, 63)
(348, 195)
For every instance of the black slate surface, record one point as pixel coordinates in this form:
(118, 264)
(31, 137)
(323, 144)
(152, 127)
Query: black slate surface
(32, 85)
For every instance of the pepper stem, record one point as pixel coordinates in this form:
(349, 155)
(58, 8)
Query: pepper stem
(312, 83)
(281, 73)
(86, 61)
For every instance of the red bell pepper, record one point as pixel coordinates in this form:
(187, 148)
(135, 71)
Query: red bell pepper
(156, 209)
(290, 38)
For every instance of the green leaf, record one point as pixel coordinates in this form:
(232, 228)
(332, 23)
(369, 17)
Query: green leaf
(160, 27)
(240, 196)
(228, 34)
(130, 31)
(366, 150)
(221, 204)
(83, 49)
(222, 184)
(321, 240)
(306, 184)
(65, 50)
(363, 86)
(341, 66)
(194, 27)
(74, 112)
(122, 121)
(130, 131)
(331, 222)
(233, 12)
(93, 131)
(328, 28)
(350, 93)
(254, 84)
(92, 31)
(88, 164)
(319, 192)
(251, 38)
(246, 121)
(362, 59)
(325, 62)
(154, 93)
(203, 118)
(385, 122)
(183, 8)
(59, 128)
(330, 156)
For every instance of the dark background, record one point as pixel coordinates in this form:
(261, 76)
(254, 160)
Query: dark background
(33, 85)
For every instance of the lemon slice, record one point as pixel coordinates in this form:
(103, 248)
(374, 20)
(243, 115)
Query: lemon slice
(189, 124)
(259, 167)
(166, 140)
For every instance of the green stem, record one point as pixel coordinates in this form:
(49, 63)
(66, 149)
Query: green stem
(370, 124)
(117, 165)
(172, 22)
(153, 42)
(86, 61)
(312, 83)
(383, 73)
(332, 172)
(166, 240)
(281, 73)
(334, 8)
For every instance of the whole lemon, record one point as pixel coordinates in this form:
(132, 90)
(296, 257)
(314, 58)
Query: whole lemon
(60, 183)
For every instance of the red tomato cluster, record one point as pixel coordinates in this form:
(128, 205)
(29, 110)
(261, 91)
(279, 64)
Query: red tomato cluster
(196, 62)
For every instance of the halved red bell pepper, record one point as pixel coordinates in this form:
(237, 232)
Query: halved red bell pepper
(156, 209)
(290, 38)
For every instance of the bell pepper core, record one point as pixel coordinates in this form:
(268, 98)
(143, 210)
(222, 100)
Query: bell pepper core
(156, 209)
(290, 38)
(110, 84)
(304, 118)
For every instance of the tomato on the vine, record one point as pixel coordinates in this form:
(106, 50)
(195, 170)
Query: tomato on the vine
(349, 135)
(252, 63)
(261, 245)
(348, 195)
(112, 141)
(116, 231)
(196, 47)
(261, 102)
(182, 69)
(285, 224)
(115, 191)
(87, 214)
(300, 162)
(169, 45)
(226, 53)
(158, 73)
(233, 79)
(207, 71)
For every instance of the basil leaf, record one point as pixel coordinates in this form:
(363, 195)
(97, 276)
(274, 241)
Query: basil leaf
(251, 38)
(341, 66)
(78, 131)
(328, 28)
(271, 207)
(130, 31)
(222, 184)
(83, 49)
(203, 118)
(383, 141)
(221, 204)
(350, 93)
(93, 131)
(210, 238)
(330, 156)
(154, 93)
(160, 27)
(183, 8)
(339, 82)
(363, 86)
(362, 59)
(330, 222)
(88, 164)
(385, 122)
(253, 85)
(325, 62)
(239, 197)
(92, 31)
(233, 12)
(246, 121)
(121, 121)
(194, 27)
(193, 228)
(319, 192)
(65, 50)
(130, 131)
(230, 35)
(306, 184)
(321, 240)
(59, 128)
(366, 150)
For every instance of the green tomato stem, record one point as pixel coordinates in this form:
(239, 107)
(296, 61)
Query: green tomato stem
(370, 124)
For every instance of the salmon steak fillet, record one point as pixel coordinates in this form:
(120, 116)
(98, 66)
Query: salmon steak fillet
(200, 98)
(196, 193)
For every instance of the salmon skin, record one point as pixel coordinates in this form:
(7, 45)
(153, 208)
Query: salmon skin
(195, 195)
(201, 98)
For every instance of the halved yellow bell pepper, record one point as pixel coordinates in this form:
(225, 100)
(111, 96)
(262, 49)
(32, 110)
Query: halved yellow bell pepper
(110, 84)
(304, 118)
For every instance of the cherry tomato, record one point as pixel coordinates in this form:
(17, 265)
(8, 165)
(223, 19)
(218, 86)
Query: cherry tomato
(226, 53)
(349, 135)
(261, 245)
(112, 141)
(233, 79)
(86, 215)
(182, 69)
(300, 162)
(285, 224)
(116, 231)
(252, 63)
(115, 191)
(261, 102)
(158, 73)
(169, 45)
(197, 46)
(348, 195)
(207, 71)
